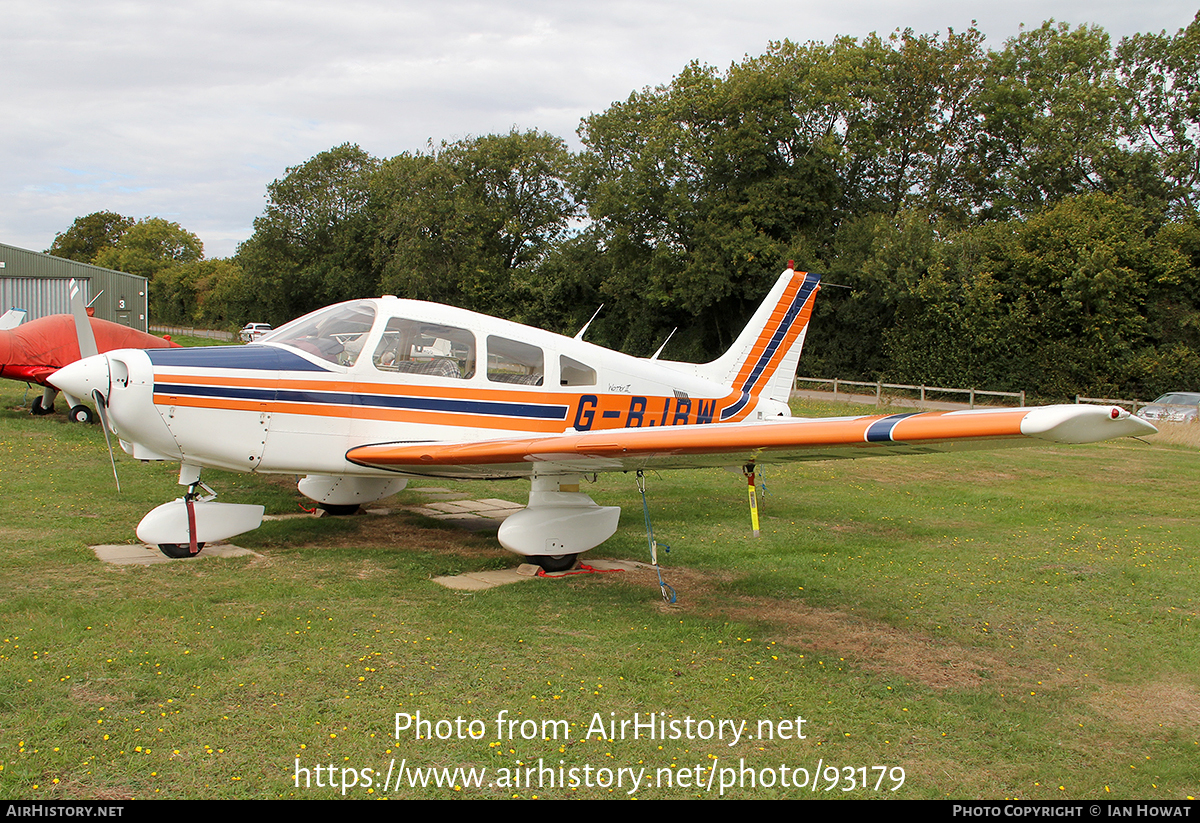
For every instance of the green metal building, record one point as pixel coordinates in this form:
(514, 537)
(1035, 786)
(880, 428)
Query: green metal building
(39, 282)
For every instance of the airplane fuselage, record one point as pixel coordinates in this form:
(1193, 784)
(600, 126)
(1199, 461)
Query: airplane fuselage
(397, 371)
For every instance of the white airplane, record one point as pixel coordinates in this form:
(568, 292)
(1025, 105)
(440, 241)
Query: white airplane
(360, 396)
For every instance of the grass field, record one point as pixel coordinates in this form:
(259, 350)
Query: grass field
(1009, 624)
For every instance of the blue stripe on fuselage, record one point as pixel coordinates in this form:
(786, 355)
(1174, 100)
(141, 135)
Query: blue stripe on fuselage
(435, 404)
(258, 358)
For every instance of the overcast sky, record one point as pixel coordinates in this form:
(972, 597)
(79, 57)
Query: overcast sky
(187, 110)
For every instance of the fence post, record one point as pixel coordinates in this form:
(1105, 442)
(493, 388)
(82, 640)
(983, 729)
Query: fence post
(835, 382)
(972, 398)
(878, 391)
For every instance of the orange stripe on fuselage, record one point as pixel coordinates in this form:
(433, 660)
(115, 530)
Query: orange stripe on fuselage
(583, 411)
(365, 413)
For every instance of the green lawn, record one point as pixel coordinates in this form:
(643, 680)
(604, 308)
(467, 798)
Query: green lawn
(1016, 624)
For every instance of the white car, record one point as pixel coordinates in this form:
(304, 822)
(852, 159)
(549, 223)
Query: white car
(253, 331)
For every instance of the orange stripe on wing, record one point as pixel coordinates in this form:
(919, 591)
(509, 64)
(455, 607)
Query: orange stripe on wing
(932, 425)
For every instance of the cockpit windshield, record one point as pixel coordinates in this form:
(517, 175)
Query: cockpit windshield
(336, 334)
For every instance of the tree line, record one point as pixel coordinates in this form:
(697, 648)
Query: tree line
(1016, 218)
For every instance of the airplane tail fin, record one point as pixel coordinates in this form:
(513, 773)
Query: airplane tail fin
(11, 319)
(763, 359)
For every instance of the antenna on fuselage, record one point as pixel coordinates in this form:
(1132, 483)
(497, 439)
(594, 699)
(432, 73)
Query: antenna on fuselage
(579, 334)
(664, 345)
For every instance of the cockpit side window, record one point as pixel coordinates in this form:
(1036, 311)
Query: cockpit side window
(416, 347)
(336, 334)
(510, 361)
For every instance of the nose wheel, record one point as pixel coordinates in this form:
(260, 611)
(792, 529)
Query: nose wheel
(82, 414)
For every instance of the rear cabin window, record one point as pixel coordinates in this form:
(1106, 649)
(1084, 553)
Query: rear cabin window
(510, 361)
(574, 373)
(416, 347)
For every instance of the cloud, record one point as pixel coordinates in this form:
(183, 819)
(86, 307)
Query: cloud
(188, 110)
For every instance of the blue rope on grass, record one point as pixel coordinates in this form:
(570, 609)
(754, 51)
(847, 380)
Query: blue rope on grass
(668, 593)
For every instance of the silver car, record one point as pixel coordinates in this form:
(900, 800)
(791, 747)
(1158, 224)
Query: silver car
(1175, 407)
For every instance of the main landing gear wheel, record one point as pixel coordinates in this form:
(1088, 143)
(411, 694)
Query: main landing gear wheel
(38, 409)
(179, 551)
(337, 510)
(554, 562)
(82, 414)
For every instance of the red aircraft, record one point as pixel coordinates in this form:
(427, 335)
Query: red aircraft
(35, 350)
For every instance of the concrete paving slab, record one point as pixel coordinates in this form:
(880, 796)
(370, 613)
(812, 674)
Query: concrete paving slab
(140, 554)
(467, 512)
(481, 581)
(495, 504)
(426, 511)
(470, 522)
(451, 508)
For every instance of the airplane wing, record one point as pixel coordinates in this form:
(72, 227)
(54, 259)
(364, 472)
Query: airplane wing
(773, 441)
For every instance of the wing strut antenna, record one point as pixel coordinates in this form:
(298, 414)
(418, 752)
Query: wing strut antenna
(668, 593)
(664, 345)
(579, 334)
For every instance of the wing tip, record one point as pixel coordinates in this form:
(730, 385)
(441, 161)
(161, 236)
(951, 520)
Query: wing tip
(1083, 424)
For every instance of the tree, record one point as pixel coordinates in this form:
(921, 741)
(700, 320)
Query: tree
(89, 235)
(1068, 290)
(311, 246)
(1051, 110)
(207, 293)
(470, 222)
(699, 192)
(1163, 77)
(150, 246)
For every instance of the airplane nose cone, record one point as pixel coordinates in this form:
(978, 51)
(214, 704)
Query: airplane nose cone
(82, 376)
